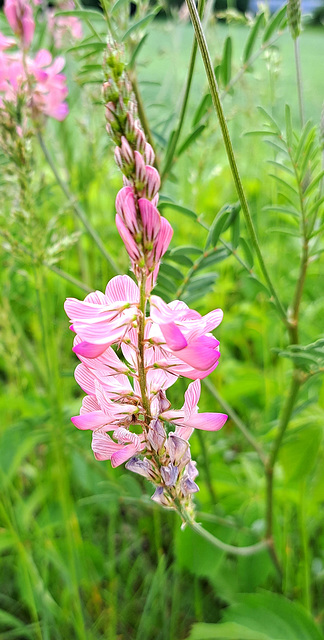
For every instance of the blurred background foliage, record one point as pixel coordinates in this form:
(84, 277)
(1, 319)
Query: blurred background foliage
(84, 552)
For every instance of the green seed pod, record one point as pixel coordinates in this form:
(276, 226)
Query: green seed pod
(294, 17)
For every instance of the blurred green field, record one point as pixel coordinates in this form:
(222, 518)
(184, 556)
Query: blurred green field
(85, 554)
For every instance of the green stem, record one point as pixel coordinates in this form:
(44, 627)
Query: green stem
(230, 153)
(177, 132)
(236, 419)
(140, 357)
(299, 82)
(75, 206)
(223, 546)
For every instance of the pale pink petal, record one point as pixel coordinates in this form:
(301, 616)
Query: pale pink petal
(85, 379)
(150, 219)
(163, 239)
(128, 240)
(124, 454)
(192, 396)
(122, 289)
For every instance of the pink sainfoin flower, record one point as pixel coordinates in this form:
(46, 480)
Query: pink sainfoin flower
(64, 29)
(126, 407)
(34, 82)
(20, 17)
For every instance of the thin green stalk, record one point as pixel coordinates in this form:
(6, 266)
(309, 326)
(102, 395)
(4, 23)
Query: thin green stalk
(223, 546)
(75, 206)
(299, 82)
(66, 276)
(177, 132)
(89, 23)
(237, 420)
(230, 153)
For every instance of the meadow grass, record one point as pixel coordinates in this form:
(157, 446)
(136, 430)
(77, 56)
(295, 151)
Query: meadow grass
(85, 553)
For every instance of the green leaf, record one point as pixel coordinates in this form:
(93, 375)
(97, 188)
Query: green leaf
(252, 37)
(236, 231)
(216, 256)
(136, 51)
(171, 271)
(202, 282)
(313, 184)
(143, 22)
(274, 23)
(166, 283)
(204, 105)
(226, 64)
(247, 252)
(222, 221)
(177, 207)
(299, 451)
(270, 120)
(289, 131)
(225, 631)
(190, 139)
(261, 616)
(118, 5)
(306, 130)
(84, 14)
(282, 209)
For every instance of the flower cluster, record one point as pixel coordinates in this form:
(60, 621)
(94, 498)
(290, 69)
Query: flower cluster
(64, 28)
(126, 406)
(36, 82)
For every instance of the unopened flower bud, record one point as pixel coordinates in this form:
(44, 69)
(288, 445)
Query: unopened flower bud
(169, 474)
(149, 155)
(140, 139)
(156, 435)
(126, 151)
(140, 173)
(153, 181)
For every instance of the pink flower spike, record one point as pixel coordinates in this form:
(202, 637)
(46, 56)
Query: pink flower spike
(128, 240)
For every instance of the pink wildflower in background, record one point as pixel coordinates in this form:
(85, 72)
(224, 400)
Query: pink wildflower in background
(38, 80)
(64, 29)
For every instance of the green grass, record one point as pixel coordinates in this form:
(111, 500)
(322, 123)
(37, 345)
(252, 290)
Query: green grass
(85, 554)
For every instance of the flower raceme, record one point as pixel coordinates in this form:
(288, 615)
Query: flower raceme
(123, 428)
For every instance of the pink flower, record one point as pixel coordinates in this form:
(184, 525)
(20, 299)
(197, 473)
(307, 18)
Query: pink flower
(20, 17)
(185, 334)
(187, 419)
(103, 319)
(64, 28)
(43, 85)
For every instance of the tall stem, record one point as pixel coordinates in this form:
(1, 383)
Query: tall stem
(75, 206)
(177, 132)
(230, 153)
(299, 81)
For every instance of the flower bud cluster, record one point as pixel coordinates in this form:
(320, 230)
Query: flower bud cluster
(145, 233)
(294, 17)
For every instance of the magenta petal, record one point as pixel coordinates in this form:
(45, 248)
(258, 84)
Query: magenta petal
(88, 350)
(201, 353)
(173, 336)
(207, 421)
(92, 420)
